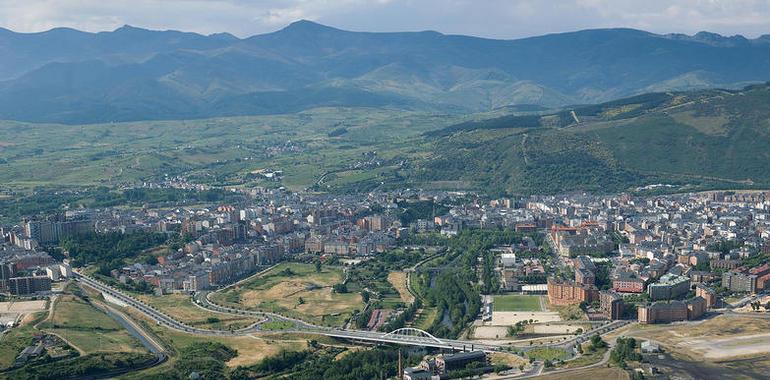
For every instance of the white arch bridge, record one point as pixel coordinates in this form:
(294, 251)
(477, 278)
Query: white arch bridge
(412, 337)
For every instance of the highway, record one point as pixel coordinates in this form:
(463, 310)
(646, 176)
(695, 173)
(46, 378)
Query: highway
(154, 314)
(411, 337)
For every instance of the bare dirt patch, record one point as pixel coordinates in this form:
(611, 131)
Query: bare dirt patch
(719, 338)
(589, 374)
(506, 318)
(398, 280)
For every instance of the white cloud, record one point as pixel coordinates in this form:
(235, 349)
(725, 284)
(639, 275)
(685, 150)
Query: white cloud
(490, 18)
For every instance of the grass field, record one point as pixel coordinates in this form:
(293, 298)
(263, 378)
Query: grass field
(547, 353)
(588, 358)
(398, 280)
(251, 348)
(569, 312)
(181, 307)
(276, 325)
(295, 290)
(16, 339)
(512, 302)
(87, 328)
(425, 319)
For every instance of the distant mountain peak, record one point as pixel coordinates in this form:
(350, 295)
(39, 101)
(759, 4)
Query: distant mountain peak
(712, 38)
(307, 26)
(130, 29)
(224, 36)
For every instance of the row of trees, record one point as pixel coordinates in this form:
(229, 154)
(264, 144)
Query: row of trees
(323, 364)
(625, 350)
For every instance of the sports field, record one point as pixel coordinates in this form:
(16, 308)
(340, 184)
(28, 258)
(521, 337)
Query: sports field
(513, 302)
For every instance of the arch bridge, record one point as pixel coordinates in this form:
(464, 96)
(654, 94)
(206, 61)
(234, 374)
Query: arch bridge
(410, 333)
(412, 337)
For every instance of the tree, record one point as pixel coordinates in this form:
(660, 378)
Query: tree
(597, 342)
(300, 301)
(365, 296)
(318, 266)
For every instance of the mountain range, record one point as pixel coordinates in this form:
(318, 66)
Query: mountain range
(69, 76)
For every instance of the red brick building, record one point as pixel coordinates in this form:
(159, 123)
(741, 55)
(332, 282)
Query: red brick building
(628, 285)
(570, 293)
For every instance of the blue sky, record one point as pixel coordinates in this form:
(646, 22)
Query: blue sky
(486, 18)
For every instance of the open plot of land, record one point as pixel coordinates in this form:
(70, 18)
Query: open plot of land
(491, 332)
(251, 348)
(547, 353)
(425, 318)
(587, 358)
(725, 348)
(22, 307)
(507, 359)
(557, 328)
(88, 329)
(506, 318)
(17, 338)
(12, 311)
(719, 338)
(398, 280)
(513, 302)
(568, 312)
(747, 308)
(295, 290)
(181, 307)
(589, 374)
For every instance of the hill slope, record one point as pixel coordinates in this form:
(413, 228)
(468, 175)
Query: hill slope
(69, 76)
(711, 138)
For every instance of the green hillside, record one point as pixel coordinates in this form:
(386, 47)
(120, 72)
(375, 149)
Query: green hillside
(691, 140)
(687, 140)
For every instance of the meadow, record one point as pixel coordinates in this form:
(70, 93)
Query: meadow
(295, 290)
(87, 328)
(183, 309)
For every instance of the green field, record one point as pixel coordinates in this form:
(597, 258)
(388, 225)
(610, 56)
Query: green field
(87, 328)
(513, 302)
(221, 151)
(276, 325)
(547, 353)
(184, 310)
(251, 348)
(295, 290)
(16, 339)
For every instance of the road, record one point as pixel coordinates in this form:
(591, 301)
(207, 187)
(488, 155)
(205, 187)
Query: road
(422, 339)
(147, 340)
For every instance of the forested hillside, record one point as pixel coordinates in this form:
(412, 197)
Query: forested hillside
(713, 138)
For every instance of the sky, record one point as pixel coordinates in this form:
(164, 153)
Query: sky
(505, 19)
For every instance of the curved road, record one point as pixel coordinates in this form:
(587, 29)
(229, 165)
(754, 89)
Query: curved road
(203, 301)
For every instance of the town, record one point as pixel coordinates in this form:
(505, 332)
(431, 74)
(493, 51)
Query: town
(554, 272)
